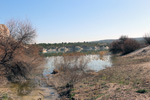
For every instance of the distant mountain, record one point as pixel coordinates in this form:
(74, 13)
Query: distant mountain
(111, 40)
(106, 41)
(139, 39)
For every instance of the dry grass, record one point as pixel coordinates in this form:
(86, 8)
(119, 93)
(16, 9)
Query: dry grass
(119, 82)
(71, 70)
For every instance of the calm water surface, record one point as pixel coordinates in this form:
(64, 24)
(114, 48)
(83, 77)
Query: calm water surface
(94, 62)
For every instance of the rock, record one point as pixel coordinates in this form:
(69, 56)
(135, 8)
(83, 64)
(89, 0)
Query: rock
(55, 71)
(4, 31)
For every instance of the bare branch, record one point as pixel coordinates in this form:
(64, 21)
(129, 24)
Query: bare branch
(17, 57)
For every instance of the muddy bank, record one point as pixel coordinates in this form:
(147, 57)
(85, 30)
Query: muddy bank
(11, 91)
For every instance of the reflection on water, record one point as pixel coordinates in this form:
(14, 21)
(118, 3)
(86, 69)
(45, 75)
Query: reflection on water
(98, 63)
(95, 62)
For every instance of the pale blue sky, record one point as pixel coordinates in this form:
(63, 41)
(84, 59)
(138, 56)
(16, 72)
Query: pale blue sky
(80, 20)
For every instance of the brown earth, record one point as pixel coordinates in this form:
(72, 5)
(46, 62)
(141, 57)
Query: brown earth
(125, 80)
(128, 75)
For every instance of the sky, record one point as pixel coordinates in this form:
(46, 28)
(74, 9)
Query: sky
(59, 21)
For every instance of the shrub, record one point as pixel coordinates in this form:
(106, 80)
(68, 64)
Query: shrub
(122, 39)
(71, 70)
(141, 91)
(124, 45)
(115, 47)
(130, 45)
(147, 38)
(74, 66)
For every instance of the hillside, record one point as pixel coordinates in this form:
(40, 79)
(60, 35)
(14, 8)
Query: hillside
(111, 40)
(83, 44)
(141, 52)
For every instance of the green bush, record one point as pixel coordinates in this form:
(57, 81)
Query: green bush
(141, 91)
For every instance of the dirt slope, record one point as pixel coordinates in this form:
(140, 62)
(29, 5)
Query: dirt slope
(141, 52)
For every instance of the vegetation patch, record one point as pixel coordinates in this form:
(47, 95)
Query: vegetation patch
(124, 45)
(141, 91)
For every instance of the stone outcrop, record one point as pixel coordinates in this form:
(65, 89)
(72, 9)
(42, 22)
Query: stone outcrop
(4, 31)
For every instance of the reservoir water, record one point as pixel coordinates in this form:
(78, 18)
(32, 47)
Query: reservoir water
(94, 62)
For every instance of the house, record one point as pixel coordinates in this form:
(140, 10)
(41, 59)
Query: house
(88, 49)
(70, 49)
(62, 49)
(52, 50)
(44, 51)
(104, 48)
(78, 49)
(95, 48)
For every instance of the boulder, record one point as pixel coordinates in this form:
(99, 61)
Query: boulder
(4, 31)
(55, 71)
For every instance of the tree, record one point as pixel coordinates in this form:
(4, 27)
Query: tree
(18, 58)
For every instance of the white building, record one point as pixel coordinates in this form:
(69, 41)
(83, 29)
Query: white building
(52, 50)
(62, 49)
(44, 50)
(78, 49)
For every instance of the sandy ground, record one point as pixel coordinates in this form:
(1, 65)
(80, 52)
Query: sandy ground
(141, 52)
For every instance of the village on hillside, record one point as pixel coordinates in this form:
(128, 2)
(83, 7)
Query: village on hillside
(74, 49)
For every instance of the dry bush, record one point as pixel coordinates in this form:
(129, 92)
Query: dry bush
(102, 54)
(115, 47)
(147, 38)
(130, 45)
(124, 45)
(18, 59)
(71, 70)
(123, 38)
